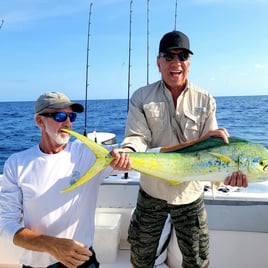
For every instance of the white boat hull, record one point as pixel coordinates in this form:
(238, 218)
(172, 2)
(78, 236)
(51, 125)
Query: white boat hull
(237, 222)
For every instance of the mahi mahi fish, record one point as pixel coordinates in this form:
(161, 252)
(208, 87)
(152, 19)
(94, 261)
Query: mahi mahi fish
(209, 160)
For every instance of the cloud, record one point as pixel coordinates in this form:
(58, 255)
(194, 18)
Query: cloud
(259, 66)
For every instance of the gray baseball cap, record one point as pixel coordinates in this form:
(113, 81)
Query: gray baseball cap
(56, 100)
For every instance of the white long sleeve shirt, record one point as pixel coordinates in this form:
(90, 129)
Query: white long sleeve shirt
(31, 196)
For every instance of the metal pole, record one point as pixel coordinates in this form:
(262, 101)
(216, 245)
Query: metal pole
(87, 65)
(129, 53)
(175, 26)
(148, 22)
(2, 22)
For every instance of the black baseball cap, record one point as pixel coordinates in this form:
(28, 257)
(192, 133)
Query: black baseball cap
(174, 40)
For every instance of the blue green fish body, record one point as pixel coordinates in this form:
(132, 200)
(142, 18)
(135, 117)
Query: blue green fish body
(210, 160)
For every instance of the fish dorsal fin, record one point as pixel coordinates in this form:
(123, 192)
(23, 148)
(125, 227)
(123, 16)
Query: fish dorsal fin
(208, 144)
(203, 145)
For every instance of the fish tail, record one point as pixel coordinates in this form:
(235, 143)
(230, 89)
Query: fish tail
(101, 162)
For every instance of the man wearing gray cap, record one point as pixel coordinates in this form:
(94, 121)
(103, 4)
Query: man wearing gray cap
(169, 112)
(56, 100)
(58, 228)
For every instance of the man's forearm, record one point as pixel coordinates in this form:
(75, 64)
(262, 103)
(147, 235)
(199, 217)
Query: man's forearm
(31, 240)
(180, 146)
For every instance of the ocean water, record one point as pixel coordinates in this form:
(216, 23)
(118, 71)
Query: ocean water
(244, 116)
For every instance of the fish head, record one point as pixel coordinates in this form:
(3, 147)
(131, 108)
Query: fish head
(263, 165)
(257, 165)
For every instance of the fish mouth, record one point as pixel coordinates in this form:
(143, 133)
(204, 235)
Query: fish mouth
(265, 168)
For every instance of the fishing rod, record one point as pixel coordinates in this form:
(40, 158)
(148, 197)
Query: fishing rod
(148, 22)
(129, 53)
(129, 62)
(87, 65)
(2, 22)
(176, 7)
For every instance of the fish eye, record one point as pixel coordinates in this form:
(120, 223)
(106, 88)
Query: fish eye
(261, 163)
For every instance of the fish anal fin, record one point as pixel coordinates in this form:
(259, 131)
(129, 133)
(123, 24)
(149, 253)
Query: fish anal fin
(173, 182)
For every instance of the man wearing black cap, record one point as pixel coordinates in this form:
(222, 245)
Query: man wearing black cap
(55, 229)
(169, 112)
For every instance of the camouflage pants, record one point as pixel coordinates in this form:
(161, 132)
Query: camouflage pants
(189, 221)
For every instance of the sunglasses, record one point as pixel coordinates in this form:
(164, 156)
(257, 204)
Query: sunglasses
(60, 116)
(169, 56)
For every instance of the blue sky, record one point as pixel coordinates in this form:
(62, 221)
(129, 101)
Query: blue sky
(43, 46)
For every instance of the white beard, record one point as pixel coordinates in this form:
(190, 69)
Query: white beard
(56, 136)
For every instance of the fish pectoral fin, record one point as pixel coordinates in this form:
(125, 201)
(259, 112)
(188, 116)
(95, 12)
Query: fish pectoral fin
(222, 157)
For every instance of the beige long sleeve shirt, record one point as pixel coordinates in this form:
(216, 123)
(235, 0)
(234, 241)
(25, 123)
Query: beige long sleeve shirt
(154, 121)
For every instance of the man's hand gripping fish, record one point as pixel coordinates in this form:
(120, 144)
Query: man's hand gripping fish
(209, 160)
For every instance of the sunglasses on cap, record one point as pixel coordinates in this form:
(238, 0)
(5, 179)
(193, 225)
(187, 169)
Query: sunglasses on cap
(61, 116)
(169, 56)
